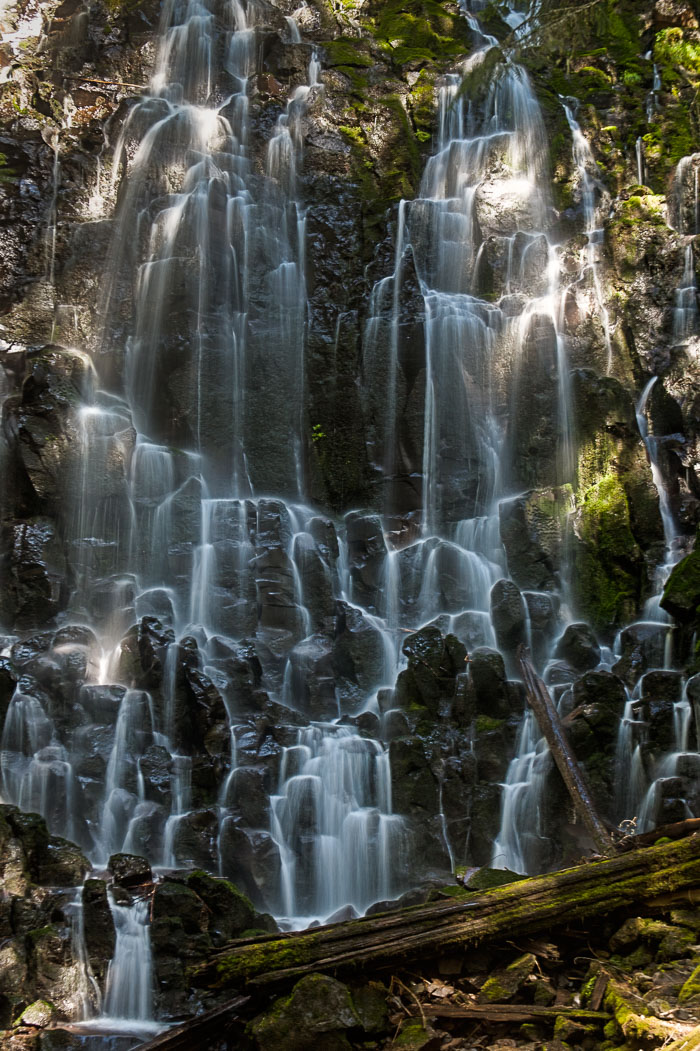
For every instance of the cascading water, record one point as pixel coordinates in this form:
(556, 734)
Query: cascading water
(252, 612)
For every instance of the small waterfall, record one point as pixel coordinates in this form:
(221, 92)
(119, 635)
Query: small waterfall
(681, 764)
(684, 216)
(335, 790)
(630, 778)
(129, 990)
(521, 834)
(592, 197)
(652, 609)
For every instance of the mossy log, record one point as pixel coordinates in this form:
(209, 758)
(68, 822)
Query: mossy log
(526, 907)
(201, 1031)
(513, 1013)
(551, 726)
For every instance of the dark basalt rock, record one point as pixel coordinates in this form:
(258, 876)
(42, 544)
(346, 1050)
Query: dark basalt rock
(508, 614)
(129, 870)
(579, 647)
(100, 937)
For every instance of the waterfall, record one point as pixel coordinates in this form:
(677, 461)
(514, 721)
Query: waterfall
(230, 653)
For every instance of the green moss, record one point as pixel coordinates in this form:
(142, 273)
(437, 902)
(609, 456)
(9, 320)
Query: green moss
(632, 1018)
(691, 988)
(592, 79)
(250, 960)
(484, 724)
(346, 51)
(606, 575)
(672, 49)
(419, 32)
(648, 208)
(681, 597)
(412, 1035)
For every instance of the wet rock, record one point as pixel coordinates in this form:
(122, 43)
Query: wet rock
(313, 677)
(642, 646)
(692, 688)
(358, 653)
(366, 556)
(156, 768)
(47, 425)
(319, 1009)
(664, 685)
(276, 592)
(394, 724)
(100, 937)
(36, 586)
(195, 839)
(62, 864)
(251, 860)
(487, 672)
(681, 597)
(129, 870)
(154, 640)
(55, 969)
(230, 912)
(543, 610)
(414, 786)
(508, 614)
(316, 581)
(13, 967)
(175, 899)
(102, 702)
(249, 796)
(579, 647)
(532, 530)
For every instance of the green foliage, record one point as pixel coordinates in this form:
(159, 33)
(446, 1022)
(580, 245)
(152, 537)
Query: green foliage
(672, 50)
(317, 431)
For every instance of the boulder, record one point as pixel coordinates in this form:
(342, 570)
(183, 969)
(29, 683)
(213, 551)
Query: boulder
(129, 870)
(317, 1013)
(508, 614)
(579, 647)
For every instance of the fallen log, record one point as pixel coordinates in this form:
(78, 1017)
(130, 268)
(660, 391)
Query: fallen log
(512, 1013)
(550, 724)
(200, 1031)
(522, 908)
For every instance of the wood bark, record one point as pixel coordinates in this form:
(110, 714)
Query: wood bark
(512, 1012)
(551, 726)
(201, 1031)
(523, 908)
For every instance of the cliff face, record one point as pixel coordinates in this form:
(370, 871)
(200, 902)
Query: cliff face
(322, 265)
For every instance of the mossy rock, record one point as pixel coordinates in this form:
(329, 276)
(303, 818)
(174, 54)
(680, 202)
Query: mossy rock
(176, 900)
(690, 991)
(315, 1014)
(41, 1013)
(681, 597)
(413, 1036)
(487, 879)
(231, 912)
(607, 560)
(503, 985)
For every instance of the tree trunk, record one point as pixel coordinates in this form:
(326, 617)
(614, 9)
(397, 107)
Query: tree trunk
(551, 726)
